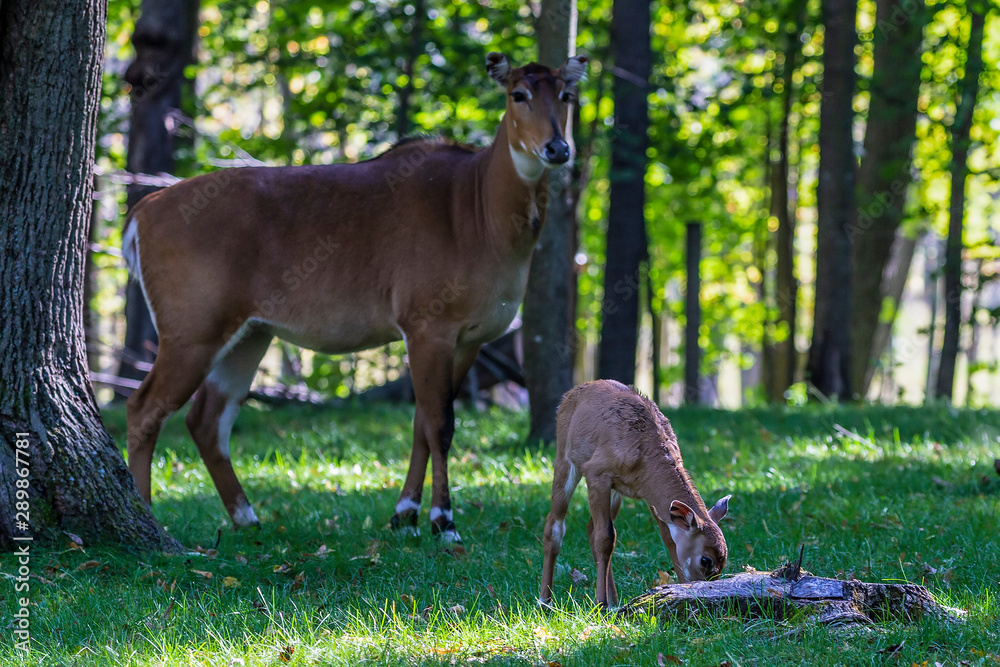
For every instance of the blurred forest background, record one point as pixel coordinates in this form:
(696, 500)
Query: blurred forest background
(735, 95)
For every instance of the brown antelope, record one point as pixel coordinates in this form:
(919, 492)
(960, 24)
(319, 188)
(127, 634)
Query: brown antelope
(429, 243)
(623, 445)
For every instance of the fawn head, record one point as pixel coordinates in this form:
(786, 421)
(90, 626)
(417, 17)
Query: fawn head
(699, 549)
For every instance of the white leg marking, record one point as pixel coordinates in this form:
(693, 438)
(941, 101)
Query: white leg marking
(244, 515)
(405, 505)
(226, 421)
(240, 334)
(558, 532)
(450, 537)
(572, 480)
(437, 513)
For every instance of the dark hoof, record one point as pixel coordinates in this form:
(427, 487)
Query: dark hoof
(405, 523)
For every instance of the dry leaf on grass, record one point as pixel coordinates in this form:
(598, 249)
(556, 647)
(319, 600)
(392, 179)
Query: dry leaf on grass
(662, 660)
(577, 577)
(207, 575)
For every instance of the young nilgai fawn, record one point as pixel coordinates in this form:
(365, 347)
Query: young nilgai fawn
(624, 446)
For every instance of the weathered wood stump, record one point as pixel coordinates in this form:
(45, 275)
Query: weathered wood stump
(781, 597)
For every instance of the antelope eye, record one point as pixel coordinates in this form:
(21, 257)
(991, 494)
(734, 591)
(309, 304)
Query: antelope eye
(706, 563)
(518, 96)
(567, 97)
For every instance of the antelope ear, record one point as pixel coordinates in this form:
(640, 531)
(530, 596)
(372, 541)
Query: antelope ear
(719, 509)
(682, 516)
(574, 70)
(498, 67)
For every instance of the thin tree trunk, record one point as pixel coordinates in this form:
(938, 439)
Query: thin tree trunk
(403, 117)
(896, 273)
(163, 41)
(960, 128)
(786, 286)
(692, 316)
(884, 174)
(762, 246)
(626, 249)
(548, 318)
(829, 356)
(50, 427)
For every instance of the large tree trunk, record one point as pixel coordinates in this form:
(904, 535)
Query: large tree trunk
(828, 368)
(960, 128)
(626, 249)
(50, 78)
(548, 318)
(884, 174)
(786, 287)
(163, 41)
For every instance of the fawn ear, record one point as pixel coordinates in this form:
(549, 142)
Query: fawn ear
(498, 67)
(719, 509)
(682, 516)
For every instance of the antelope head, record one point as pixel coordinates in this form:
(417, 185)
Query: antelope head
(699, 549)
(538, 103)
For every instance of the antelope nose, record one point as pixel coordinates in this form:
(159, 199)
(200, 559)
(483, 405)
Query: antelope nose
(557, 151)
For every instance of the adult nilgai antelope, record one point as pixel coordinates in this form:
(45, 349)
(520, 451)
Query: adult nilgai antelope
(429, 243)
(623, 445)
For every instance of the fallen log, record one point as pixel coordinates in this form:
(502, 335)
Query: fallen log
(786, 594)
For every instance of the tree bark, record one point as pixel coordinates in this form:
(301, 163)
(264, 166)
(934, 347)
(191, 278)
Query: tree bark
(163, 41)
(403, 115)
(626, 249)
(896, 272)
(692, 316)
(548, 319)
(786, 287)
(829, 367)
(884, 174)
(960, 142)
(50, 427)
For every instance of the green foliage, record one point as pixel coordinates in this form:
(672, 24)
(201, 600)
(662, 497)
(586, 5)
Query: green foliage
(293, 82)
(909, 496)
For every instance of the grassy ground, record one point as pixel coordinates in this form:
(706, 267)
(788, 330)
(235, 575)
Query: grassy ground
(325, 581)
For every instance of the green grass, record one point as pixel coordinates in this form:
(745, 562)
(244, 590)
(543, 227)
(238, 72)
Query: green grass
(918, 501)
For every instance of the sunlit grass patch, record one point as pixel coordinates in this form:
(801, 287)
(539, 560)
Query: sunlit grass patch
(325, 582)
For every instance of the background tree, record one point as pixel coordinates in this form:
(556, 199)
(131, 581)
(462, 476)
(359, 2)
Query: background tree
(884, 175)
(784, 357)
(50, 73)
(829, 356)
(548, 319)
(163, 40)
(626, 235)
(968, 90)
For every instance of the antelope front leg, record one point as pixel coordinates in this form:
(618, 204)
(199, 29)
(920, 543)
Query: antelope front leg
(601, 531)
(408, 507)
(432, 363)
